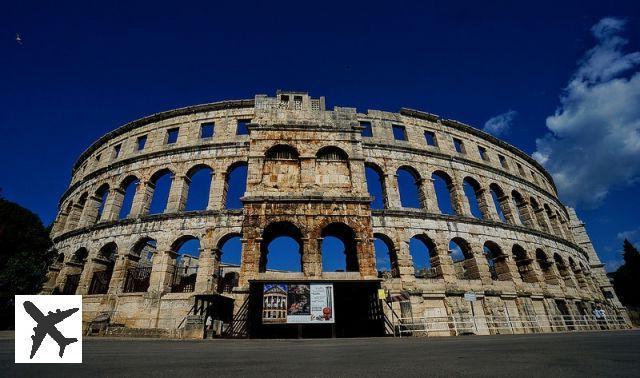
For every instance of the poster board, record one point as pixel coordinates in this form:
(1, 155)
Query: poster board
(298, 303)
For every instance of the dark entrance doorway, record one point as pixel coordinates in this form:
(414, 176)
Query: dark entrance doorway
(357, 310)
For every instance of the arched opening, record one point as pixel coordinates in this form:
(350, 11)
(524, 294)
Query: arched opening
(563, 270)
(185, 270)
(464, 264)
(424, 257)
(199, 181)
(539, 214)
(473, 192)
(230, 250)
(101, 197)
(160, 185)
(103, 269)
(139, 269)
(521, 208)
(577, 273)
(546, 267)
(75, 265)
(498, 197)
(524, 264)
(443, 187)
(281, 248)
(235, 185)
(281, 168)
(332, 167)
(338, 248)
(128, 188)
(497, 261)
(376, 187)
(410, 188)
(386, 257)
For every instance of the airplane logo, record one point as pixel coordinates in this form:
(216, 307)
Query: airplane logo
(47, 326)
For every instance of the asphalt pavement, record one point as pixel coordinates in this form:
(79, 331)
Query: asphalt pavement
(607, 353)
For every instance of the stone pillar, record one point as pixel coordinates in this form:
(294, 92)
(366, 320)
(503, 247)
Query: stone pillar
(392, 191)
(122, 264)
(478, 263)
(207, 271)
(87, 275)
(442, 259)
(90, 212)
(405, 262)
(216, 191)
(430, 200)
(178, 194)
(459, 200)
(250, 264)
(366, 257)
(112, 208)
(74, 218)
(164, 265)
(542, 222)
(527, 215)
(142, 199)
(485, 200)
(507, 210)
(311, 257)
(513, 273)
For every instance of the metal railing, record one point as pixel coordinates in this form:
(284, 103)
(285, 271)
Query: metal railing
(491, 325)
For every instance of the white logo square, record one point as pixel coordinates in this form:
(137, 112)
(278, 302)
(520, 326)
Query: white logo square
(48, 329)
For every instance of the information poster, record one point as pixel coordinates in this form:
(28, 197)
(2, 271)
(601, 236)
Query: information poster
(298, 303)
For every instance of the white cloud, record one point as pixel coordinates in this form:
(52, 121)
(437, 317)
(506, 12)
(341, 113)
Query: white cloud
(500, 124)
(631, 235)
(593, 143)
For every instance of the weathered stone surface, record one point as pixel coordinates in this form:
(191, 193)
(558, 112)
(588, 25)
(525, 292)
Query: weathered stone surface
(306, 166)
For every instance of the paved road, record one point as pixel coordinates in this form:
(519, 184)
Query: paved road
(570, 354)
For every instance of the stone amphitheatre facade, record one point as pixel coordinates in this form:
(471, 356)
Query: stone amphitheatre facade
(312, 173)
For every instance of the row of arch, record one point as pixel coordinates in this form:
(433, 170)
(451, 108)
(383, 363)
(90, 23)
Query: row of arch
(468, 198)
(457, 258)
(162, 192)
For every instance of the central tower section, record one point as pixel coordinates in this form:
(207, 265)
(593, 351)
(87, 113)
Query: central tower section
(306, 180)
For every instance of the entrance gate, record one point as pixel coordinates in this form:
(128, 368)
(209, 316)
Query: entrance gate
(356, 308)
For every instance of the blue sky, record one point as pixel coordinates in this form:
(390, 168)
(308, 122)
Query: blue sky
(86, 68)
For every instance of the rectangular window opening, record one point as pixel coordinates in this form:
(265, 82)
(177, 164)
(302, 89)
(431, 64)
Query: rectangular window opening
(116, 150)
(520, 170)
(459, 145)
(367, 131)
(207, 130)
(399, 132)
(430, 137)
(483, 153)
(503, 162)
(534, 177)
(141, 141)
(172, 135)
(98, 156)
(242, 128)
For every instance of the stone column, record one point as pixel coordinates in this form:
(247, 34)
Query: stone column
(542, 223)
(507, 210)
(162, 270)
(250, 264)
(216, 191)
(486, 200)
(142, 199)
(392, 191)
(87, 275)
(430, 200)
(90, 212)
(178, 194)
(478, 262)
(527, 215)
(442, 260)
(459, 199)
(311, 258)
(74, 218)
(405, 262)
(119, 275)
(366, 258)
(112, 208)
(510, 264)
(207, 271)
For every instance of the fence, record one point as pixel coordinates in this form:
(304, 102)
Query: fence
(490, 325)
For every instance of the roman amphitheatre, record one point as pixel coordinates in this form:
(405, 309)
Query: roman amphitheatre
(436, 228)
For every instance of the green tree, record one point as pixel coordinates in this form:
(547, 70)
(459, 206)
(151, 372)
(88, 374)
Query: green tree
(25, 255)
(627, 278)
